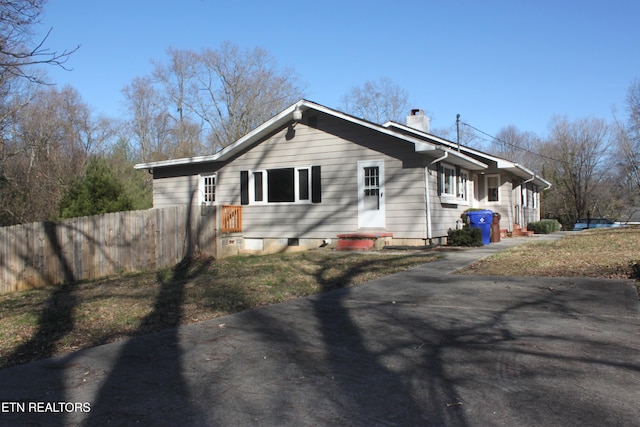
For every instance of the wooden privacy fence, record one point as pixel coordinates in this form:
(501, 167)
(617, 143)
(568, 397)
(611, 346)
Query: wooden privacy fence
(85, 248)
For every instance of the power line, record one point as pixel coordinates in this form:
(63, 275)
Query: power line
(508, 143)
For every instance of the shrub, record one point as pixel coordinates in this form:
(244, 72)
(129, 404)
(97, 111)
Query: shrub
(545, 226)
(99, 191)
(467, 236)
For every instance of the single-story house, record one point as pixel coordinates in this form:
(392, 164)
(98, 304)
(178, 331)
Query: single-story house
(311, 174)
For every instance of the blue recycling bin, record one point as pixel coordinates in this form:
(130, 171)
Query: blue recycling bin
(482, 219)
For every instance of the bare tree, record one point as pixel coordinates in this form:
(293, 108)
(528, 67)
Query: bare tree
(17, 50)
(159, 130)
(629, 140)
(517, 146)
(236, 90)
(377, 101)
(218, 96)
(149, 121)
(575, 160)
(176, 80)
(51, 139)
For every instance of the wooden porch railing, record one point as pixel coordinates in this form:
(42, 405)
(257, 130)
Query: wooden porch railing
(231, 219)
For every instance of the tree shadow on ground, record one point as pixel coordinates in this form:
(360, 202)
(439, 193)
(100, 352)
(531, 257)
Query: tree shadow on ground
(55, 321)
(369, 384)
(414, 356)
(155, 385)
(347, 377)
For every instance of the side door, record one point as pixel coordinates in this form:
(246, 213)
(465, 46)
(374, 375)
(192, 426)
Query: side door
(371, 205)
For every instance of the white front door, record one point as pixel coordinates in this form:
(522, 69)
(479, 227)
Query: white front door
(371, 194)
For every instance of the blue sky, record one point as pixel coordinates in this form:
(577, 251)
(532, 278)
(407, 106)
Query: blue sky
(496, 63)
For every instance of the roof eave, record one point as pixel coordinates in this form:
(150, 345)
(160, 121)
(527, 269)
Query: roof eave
(227, 152)
(502, 164)
(524, 173)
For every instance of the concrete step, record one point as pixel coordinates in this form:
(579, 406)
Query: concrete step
(364, 241)
(355, 245)
(518, 231)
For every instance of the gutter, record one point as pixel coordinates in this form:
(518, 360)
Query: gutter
(446, 154)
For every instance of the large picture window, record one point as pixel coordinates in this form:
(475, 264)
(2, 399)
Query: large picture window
(281, 185)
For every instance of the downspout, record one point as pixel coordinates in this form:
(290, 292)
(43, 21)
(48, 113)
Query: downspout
(428, 196)
(446, 154)
(428, 199)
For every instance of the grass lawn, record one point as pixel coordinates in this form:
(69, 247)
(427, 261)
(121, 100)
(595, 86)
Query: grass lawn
(611, 253)
(49, 321)
(60, 319)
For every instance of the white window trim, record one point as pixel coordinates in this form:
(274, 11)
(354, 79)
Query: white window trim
(486, 188)
(201, 188)
(462, 180)
(453, 192)
(265, 186)
(454, 197)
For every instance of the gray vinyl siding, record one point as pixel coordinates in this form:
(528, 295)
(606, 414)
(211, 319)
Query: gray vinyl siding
(336, 146)
(443, 216)
(171, 191)
(180, 185)
(336, 149)
(506, 206)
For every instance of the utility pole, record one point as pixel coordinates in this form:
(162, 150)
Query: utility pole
(458, 130)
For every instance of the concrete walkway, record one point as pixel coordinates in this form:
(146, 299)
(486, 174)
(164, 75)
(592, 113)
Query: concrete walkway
(422, 347)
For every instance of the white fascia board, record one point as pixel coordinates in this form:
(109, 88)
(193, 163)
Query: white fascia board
(176, 162)
(450, 144)
(230, 149)
(524, 173)
(464, 161)
(281, 119)
(503, 164)
(405, 128)
(277, 121)
(454, 157)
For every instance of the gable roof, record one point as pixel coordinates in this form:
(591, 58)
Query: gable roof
(301, 107)
(503, 164)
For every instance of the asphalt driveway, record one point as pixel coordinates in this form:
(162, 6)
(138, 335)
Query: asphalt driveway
(422, 347)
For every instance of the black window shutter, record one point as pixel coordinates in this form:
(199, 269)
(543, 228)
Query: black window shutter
(244, 187)
(316, 185)
(439, 177)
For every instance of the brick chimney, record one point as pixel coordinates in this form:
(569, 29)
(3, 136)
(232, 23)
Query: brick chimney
(418, 120)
